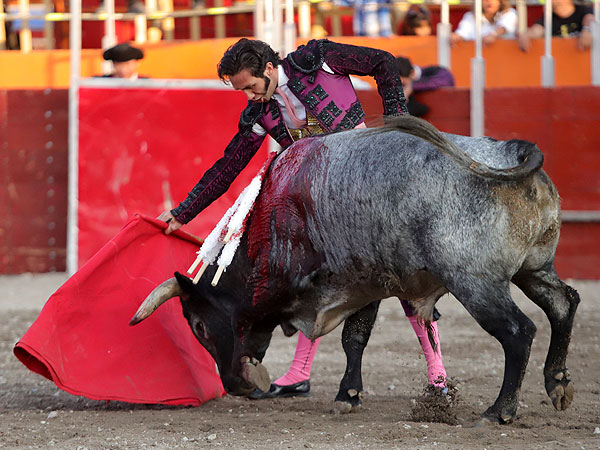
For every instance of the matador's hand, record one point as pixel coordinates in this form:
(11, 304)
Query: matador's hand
(174, 224)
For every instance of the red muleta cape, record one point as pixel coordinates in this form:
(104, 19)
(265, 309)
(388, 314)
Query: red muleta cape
(82, 341)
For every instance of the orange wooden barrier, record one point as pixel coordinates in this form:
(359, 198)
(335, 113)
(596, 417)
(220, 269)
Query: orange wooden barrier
(506, 65)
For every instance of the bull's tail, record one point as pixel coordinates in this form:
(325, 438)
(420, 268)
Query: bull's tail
(530, 156)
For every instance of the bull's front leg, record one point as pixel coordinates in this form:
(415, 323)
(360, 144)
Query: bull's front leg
(355, 336)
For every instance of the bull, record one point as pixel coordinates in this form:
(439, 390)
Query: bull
(347, 219)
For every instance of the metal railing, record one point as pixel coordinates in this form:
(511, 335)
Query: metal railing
(163, 15)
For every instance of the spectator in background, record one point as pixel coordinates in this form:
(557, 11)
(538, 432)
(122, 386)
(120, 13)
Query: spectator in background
(417, 21)
(125, 59)
(12, 39)
(499, 20)
(419, 79)
(568, 20)
(133, 6)
(371, 17)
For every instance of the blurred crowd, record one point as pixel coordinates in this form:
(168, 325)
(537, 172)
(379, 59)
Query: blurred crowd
(499, 20)
(384, 18)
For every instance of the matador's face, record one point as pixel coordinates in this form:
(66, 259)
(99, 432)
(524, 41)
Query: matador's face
(257, 89)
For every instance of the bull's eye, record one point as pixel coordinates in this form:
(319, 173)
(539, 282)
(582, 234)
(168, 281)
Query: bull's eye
(199, 328)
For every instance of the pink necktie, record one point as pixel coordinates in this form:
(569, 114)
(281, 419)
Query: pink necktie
(296, 121)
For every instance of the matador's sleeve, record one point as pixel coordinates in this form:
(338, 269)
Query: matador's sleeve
(219, 177)
(381, 65)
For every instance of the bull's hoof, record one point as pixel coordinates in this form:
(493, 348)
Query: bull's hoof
(347, 402)
(255, 373)
(560, 389)
(486, 421)
(491, 416)
(341, 408)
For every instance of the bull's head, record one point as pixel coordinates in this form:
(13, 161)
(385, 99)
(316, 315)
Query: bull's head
(210, 313)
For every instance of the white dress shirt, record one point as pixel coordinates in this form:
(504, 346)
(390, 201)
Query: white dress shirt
(506, 19)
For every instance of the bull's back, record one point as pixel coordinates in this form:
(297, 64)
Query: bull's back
(392, 200)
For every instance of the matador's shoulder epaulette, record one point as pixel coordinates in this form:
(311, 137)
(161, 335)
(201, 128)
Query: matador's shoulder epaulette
(310, 57)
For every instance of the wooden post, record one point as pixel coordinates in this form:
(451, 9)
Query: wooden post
(25, 33)
(154, 32)
(259, 20)
(521, 16)
(195, 24)
(336, 21)
(547, 63)
(168, 23)
(304, 25)
(2, 29)
(140, 25)
(219, 21)
(48, 26)
(289, 28)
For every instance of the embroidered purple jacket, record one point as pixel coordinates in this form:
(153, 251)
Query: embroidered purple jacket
(330, 98)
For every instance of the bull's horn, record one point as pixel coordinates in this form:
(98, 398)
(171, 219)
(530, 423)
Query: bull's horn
(157, 297)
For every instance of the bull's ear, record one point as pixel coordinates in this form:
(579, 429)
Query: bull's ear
(186, 284)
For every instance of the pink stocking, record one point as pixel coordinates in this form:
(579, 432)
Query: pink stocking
(436, 374)
(302, 363)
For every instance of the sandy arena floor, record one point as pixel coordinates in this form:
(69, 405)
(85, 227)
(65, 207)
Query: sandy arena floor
(35, 414)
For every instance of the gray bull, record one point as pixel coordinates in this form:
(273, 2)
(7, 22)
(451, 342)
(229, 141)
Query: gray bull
(347, 219)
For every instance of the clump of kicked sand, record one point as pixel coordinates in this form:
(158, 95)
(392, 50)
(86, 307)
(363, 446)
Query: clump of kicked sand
(435, 406)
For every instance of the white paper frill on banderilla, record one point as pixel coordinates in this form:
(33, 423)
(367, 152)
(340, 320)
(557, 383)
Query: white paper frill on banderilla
(225, 237)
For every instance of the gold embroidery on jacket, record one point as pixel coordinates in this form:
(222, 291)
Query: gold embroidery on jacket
(312, 128)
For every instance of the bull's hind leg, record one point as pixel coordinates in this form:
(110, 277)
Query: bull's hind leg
(355, 335)
(493, 308)
(559, 301)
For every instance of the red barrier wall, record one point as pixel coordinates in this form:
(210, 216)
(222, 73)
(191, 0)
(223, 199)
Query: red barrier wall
(140, 149)
(149, 142)
(33, 166)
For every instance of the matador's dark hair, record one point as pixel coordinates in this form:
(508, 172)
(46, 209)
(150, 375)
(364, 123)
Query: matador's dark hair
(246, 54)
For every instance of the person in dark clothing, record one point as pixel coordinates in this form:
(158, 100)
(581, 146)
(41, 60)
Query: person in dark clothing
(568, 20)
(418, 79)
(125, 59)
